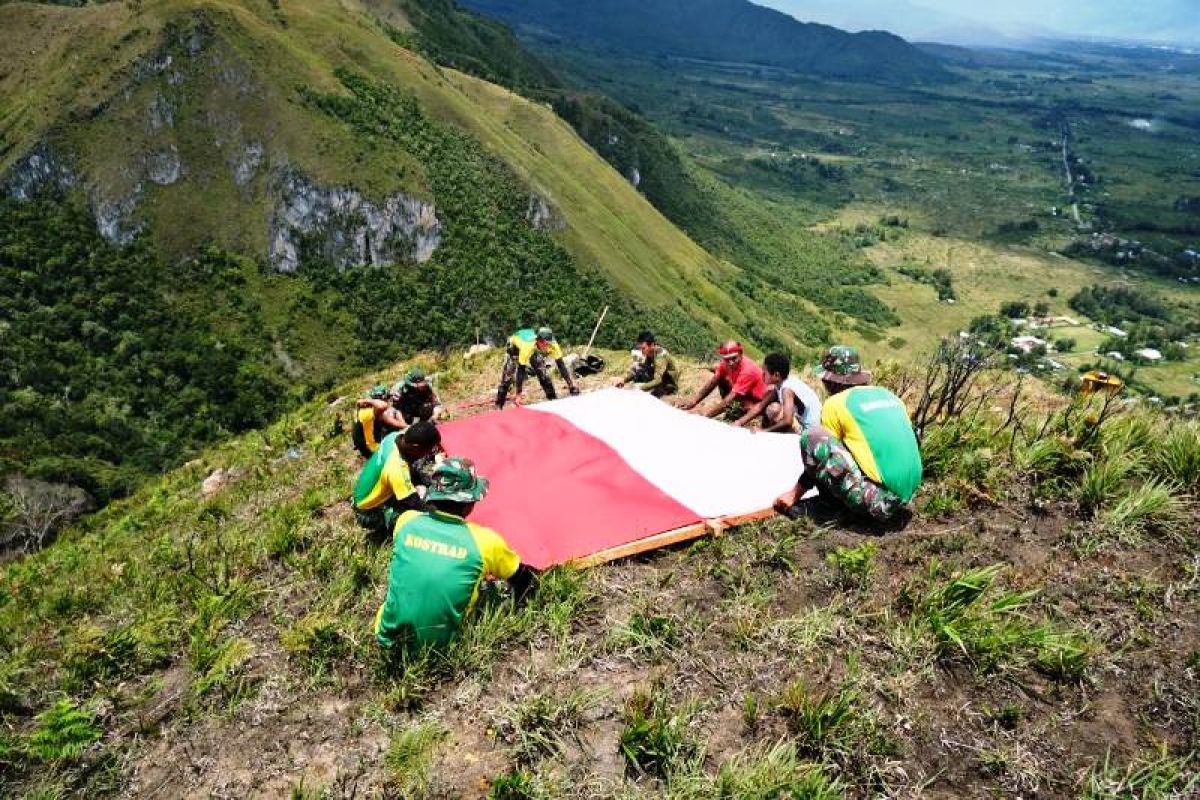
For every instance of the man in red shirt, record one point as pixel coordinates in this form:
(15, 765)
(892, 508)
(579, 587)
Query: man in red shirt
(737, 378)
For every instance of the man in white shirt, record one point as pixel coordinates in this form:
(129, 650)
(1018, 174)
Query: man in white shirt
(789, 405)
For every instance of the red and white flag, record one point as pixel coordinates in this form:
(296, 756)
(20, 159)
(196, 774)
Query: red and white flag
(582, 475)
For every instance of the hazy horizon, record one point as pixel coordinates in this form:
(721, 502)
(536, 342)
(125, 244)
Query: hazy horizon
(1174, 21)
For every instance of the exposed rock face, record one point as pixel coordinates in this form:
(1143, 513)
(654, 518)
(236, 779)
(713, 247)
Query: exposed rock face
(160, 113)
(249, 158)
(114, 218)
(39, 171)
(164, 167)
(347, 229)
(542, 215)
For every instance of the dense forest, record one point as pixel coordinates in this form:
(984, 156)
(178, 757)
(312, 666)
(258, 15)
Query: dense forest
(109, 373)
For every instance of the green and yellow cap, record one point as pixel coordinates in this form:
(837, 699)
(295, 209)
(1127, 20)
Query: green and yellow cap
(378, 391)
(454, 480)
(415, 375)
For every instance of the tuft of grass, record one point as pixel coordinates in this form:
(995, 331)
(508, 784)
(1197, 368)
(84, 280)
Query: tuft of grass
(410, 677)
(1007, 716)
(495, 628)
(821, 722)
(522, 785)
(750, 709)
(410, 754)
(317, 642)
(224, 671)
(992, 630)
(777, 550)
(1100, 484)
(562, 596)
(63, 732)
(1153, 777)
(943, 501)
(121, 652)
(656, 739)
(1177, 454)
(1150, 506)
(541, 721)
(853, 566)
(648, 634)
(771, 771)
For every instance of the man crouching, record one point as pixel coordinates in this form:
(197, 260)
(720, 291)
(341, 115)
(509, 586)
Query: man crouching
(864, 453)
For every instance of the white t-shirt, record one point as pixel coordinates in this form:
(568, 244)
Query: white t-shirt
(811, 415)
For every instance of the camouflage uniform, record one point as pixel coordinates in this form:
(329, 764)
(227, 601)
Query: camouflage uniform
(830, 464)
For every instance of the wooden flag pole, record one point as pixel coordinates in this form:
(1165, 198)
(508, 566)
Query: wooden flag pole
(595, 330)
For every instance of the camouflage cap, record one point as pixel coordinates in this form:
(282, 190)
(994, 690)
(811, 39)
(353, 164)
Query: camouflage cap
(545, 334)
(455, 481)
(415, 375)
(841, 364)
(378, 391)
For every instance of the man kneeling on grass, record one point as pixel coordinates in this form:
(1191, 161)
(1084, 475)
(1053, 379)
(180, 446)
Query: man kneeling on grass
(438, 561)
(864, 453)
(385, 487)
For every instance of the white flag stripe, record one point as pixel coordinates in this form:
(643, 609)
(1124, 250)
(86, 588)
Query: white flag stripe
(712, 468)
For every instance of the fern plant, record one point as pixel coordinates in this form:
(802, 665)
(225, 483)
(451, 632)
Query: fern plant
(63, 733)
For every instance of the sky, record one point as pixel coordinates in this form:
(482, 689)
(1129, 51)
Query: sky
(960, 20)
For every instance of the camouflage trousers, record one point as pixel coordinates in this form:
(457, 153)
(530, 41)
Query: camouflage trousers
(830, 464)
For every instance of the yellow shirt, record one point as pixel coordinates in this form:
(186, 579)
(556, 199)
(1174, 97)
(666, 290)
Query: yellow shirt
(527, 346)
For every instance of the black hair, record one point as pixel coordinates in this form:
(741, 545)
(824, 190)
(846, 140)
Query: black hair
(777, 363)
(646, 337)
(423, 434)
(452, 507)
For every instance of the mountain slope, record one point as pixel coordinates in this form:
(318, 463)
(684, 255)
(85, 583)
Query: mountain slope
(720, 30)
(287, 188)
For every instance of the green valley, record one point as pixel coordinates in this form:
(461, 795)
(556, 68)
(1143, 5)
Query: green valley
(968, 178)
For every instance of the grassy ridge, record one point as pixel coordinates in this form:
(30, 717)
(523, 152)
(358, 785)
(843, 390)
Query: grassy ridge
(780, 654)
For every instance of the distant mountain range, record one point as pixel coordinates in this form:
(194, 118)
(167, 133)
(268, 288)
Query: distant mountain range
(1012, 24)
(719, 30)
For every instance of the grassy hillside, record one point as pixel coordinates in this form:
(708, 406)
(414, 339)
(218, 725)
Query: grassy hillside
(1023, 634)
(234, 157)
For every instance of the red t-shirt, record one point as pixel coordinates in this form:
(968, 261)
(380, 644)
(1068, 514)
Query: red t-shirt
(747, 379)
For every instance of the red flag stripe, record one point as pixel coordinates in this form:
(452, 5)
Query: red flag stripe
(558, 493)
